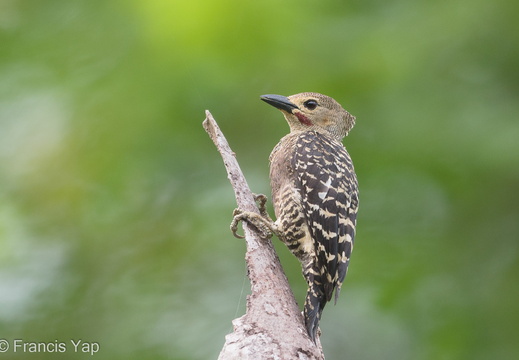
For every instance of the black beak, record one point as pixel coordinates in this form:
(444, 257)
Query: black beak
(280, 102)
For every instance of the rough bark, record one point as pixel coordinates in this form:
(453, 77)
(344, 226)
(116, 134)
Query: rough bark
(272, 327)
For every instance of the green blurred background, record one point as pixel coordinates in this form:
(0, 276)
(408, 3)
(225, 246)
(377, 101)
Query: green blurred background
(115, 206)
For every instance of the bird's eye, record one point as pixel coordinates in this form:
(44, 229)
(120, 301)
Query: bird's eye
(310, 104)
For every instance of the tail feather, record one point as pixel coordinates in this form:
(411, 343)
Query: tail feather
(314, 305)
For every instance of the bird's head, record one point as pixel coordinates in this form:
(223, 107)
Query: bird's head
(313, 111)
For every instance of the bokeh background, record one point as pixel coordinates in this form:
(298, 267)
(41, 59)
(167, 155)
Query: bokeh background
(114, 204)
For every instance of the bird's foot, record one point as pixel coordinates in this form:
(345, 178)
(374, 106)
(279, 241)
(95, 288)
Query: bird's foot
(265, 226)
(261, 200)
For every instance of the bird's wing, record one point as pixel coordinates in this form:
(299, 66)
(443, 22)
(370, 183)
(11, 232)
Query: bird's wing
(329, 191)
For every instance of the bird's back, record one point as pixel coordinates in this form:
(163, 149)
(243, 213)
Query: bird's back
(314, 191)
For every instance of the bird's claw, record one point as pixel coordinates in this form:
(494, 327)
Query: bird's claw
(261, 200)
(256, 220)
(236, 218)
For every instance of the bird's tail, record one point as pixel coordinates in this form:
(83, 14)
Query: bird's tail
(314, 305)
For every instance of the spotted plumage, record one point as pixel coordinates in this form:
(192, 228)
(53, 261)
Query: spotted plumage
(315, 195)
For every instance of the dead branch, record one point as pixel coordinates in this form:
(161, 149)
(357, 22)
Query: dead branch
(272, 327)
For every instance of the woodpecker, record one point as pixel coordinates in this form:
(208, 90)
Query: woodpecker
(315, 196)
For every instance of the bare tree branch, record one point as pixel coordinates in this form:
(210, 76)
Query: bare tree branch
(272, 327)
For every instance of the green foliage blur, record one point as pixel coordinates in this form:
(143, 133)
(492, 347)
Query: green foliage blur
(115, 206)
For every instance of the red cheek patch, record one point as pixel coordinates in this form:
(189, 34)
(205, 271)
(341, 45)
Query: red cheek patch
(302, 119)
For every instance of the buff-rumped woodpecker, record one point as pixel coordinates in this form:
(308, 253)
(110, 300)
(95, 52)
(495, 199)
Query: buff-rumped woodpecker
(315, 195)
